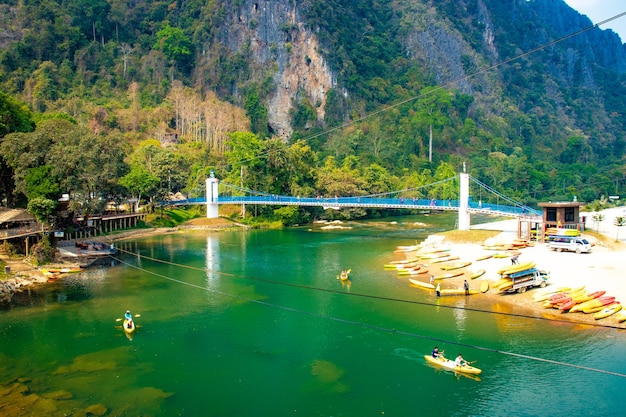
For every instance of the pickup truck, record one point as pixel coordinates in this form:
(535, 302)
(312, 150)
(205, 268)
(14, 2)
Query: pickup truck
(527, 279)
(571, 244)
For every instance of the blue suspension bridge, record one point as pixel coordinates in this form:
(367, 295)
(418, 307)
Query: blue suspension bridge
(451, 194)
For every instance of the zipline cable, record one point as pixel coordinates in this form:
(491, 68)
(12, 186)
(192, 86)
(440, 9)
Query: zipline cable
(352, 322)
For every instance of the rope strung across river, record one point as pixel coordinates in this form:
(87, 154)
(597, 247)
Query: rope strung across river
(360, 324)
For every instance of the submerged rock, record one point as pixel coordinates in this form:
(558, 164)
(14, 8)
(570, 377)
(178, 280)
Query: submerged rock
(96, 410)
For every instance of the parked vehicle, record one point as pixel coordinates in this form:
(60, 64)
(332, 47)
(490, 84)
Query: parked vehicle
(520, 281)
(569, 243)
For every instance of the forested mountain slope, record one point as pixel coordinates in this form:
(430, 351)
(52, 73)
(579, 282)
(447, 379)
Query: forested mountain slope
(374, 95)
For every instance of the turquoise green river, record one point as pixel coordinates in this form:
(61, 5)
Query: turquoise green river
(256, 323)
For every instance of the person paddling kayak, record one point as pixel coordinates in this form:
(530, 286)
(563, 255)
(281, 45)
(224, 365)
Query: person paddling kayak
(460, 361)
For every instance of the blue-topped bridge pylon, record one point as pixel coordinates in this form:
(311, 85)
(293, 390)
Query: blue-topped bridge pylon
(420, 198)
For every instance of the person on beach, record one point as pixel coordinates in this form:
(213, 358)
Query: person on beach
(514, 260)
(460, 361)
(438, 290)
(466, 287)
(432, 280)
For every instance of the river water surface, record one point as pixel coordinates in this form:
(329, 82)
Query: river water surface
(255, 323)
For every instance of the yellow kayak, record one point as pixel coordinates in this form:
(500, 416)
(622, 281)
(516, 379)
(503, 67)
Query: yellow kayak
(477, 274)
(451, 365)
(516, 268)
(422, 284)
(129, 327)
(442, 260)
(608, 311)
(401, 265)
(547, 294)
(458, 291)
(450, 275)
(501, 281)
(456, 265)
(588, 306)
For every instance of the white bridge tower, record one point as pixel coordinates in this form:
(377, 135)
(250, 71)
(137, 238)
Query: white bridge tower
(464, 215)
(211, 197)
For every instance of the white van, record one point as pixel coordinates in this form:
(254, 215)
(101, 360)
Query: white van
(572, 244)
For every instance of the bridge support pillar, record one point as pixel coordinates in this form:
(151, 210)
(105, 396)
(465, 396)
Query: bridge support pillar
(211, 197)
(464, 215)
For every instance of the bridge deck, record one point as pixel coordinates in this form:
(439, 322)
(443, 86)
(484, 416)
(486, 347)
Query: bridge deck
(366, 202)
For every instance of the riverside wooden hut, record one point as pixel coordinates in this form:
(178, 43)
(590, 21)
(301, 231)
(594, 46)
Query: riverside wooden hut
(562, 215)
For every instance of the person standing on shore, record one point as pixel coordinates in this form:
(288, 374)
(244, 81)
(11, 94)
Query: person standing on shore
(438, 289)
(466, 287)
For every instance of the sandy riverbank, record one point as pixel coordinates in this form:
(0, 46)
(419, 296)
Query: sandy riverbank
(602, 269)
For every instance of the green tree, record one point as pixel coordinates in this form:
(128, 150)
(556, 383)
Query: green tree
(431, 108)
(44, 86)
(256, 111)
(446, 190)
(41, 183)
(23, 151)
(175, 45)
(14, 117)
(140, 182)
(288, 215)
(42, 208)
(334, 181)
(243, 156)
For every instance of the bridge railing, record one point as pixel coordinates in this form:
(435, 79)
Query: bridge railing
(408, 203)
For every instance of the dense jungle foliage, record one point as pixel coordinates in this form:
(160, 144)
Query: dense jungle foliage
(106, 100)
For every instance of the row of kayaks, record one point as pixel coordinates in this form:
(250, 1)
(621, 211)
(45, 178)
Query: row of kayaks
(508, 270)
(579, 300)
(441, 260)
(509, 246)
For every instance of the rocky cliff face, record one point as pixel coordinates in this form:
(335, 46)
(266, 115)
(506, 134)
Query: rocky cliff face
(282, 48)
(453, 42)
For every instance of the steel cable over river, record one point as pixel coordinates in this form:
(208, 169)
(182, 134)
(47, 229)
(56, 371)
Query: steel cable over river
(356, 323)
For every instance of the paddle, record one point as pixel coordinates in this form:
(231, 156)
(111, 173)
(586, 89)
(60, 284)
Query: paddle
(136, 315)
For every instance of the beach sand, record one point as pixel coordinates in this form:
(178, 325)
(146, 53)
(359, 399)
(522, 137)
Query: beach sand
(602, 269)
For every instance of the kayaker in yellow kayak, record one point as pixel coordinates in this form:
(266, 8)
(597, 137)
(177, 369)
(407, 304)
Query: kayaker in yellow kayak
(129, 319)
(436, 354)
(460, 361)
